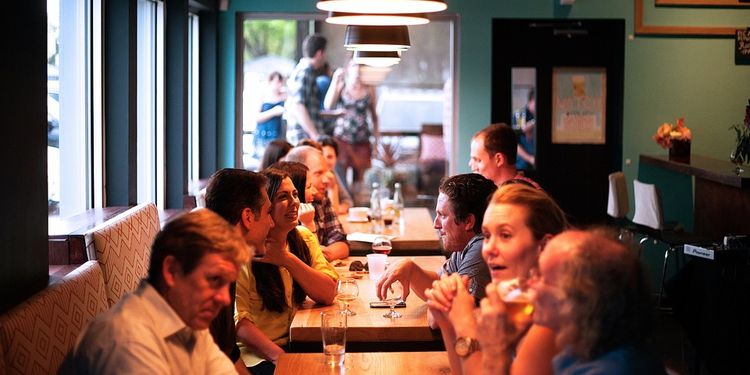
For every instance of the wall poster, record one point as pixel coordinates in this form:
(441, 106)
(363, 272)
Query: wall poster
(579, 105)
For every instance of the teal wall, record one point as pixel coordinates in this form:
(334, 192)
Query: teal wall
(665, 77)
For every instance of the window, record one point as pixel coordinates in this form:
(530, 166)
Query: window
(69, 107)
(414, 95)
(193, 100)
(150, 95)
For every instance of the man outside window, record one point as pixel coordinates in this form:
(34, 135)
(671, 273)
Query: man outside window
(303, 102)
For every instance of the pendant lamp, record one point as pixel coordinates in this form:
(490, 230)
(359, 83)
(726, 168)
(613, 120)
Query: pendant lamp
(377, 19)
(382, 6)
(377, 59)
(376, 38)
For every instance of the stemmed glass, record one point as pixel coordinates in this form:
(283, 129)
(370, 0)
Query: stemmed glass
(382, 245)
(393, 296)
(347, 292)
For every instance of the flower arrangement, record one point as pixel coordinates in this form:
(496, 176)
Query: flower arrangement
(741, 152)
(667, 133)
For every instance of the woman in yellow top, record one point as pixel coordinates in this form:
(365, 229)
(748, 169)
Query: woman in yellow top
(271, 289)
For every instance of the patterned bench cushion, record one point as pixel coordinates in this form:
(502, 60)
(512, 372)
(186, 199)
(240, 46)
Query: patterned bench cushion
(36, 335)
(122, 246)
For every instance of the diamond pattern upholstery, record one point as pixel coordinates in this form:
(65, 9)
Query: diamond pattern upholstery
(36, 335)
(122, 246)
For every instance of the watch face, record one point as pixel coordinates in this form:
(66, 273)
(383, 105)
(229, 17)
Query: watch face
(462, 346)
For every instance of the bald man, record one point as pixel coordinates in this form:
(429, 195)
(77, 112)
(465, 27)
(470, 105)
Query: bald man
(330, 233)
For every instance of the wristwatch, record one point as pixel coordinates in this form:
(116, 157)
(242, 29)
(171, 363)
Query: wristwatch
(464, 346)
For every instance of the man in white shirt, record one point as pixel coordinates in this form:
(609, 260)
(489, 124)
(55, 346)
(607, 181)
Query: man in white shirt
(161, 327)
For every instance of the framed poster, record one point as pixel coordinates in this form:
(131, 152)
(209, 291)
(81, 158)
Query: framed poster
(579, 105)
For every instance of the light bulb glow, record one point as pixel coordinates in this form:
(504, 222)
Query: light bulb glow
(382, 6)
(376, 19)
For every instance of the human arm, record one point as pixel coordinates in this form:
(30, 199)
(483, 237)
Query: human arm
(304, 119)
(333, 94)
(531, 159)
(374, 114)
(336, 250)
(411, 276)
(270, 113)
(331, 235)
(440, 303)
(317, 280)
(250, 335)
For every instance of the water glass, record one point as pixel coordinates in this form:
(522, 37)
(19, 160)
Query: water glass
(333, 330)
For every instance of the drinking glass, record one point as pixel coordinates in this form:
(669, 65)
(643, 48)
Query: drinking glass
(393, 296)
(518, 300)
(382, 245)
(333, 330)
(347, 292)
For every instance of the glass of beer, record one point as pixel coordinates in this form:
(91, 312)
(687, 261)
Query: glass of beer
(518, 300)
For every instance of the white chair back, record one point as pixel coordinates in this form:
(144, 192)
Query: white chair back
(617, 204)
(648, 209)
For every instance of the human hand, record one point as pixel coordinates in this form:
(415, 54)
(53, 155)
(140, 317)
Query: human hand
(338, 75)
(307, 216)
(440, 296)
(399, 271)
(343, 208)
(461, 314)
(278, 110)
(276, 253)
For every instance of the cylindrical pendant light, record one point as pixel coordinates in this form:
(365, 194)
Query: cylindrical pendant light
(377, 59)
(376, 38)
(379, 19)
(382, 6)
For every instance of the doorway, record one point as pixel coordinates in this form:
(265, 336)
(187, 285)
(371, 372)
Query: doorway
(560, 84)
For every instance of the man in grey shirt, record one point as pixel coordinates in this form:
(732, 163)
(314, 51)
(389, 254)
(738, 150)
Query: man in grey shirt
(458, 217)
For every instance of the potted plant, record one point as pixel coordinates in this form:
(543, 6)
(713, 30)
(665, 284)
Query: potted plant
(677, 138)
(741, 153)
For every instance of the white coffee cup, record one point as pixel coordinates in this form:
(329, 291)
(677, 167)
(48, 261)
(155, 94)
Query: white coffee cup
(358, 213)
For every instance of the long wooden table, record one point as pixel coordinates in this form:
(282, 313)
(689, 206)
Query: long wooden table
(369, 325)
(414, 234)
(366, 363)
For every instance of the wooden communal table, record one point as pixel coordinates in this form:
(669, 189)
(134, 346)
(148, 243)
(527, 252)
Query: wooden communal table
(369, 326)
(414, 234)
(366, 363)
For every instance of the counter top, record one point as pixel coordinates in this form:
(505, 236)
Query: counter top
(719, 171)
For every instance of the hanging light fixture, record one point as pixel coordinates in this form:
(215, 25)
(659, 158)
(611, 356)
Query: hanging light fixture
(382, 6)
(377, 19)
(377, 59)
(376, 38)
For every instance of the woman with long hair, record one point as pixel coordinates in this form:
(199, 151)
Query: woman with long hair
(298, 173)
(270, 291)
(518, 223)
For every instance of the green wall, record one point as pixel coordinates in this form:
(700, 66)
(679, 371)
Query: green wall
(665, 77)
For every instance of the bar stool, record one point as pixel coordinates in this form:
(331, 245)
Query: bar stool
(649, 218)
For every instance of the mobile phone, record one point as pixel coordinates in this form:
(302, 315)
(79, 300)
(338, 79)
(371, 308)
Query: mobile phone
(384, 305)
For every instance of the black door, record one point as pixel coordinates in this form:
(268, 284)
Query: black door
(560, 55)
